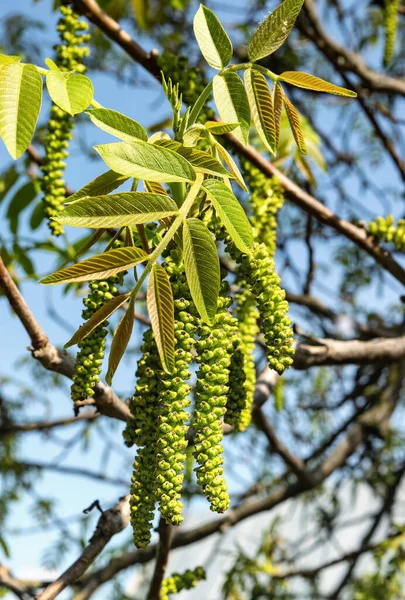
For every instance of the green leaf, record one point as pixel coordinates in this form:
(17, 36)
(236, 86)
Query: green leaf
(72, 92)
(294, 120)
(37, 216)
(120, 341)
(202, 268)
(232, 166)
(214, 43)
(7, 180)
(118, 210)
(52, 65)
(140, 10)
(278, 108)
(310, 82)
(232, 103)
(261, 107)
(103, 313)
(274, 30)
(146, 161)
(22, 198)
(5, 59)
(100, 266)
(117, 124)
(201, 161)
(161, 311)
(218, 128)
(20, 103)
(3, 544)
(231, 213)
(101, 185)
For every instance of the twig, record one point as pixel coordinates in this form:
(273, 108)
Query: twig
(162, 557)
(110, 523)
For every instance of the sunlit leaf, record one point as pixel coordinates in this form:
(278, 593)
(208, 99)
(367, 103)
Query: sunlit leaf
(103, 313)
(100, 266)
(294, 120)
(146, 161)
(117, 124)
(72, 92)
(214, 43)
(155, 188)
(120, 341)
(310, 82)
(232, 166)
(101, 185)
(261, 107)
(202, 268)
(218, 128)
(232, 103)
(159, 299)
(118, 210)
(274, 30)
(231, 213)
(201, 161)
(20, 103)
(278, 108)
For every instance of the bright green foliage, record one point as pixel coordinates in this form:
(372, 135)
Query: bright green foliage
(248, 316)
(237, 393)
(385, 229)
(69, 57)
(273, 307)
(211, 390)
(391, 26)
(90, 356)
(212, 39)
(178, 582)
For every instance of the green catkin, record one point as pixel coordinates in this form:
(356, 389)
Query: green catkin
(247, 316)
(90, 356)
(385, 228)
(179, 582)
(69, 57)
(211, 390)
(272, 305)
(142, 430)
(174, 400)
(160, 418)
(390, 13)
(266, 199)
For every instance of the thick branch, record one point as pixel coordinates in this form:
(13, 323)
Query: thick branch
(111, 522)
(336, 352)
(162, 557)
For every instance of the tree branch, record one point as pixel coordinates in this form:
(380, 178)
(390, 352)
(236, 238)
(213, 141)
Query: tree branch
(110, 523)
(162, 557)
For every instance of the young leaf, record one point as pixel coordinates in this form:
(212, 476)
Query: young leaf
(101, 185)
(22, 198)
(218, 128)
(232, 166)
(5, 59)
(20, 103)
(274, 30)
(159, 299)
(261, 107)
(103, 313)
(118, 210)
(98, 267)
(214, 43)
(294, 120)
(72, 92)
(201, 161)
(232, 103)
(231, 213)
(278, 108)
(117, 124)
(120, 341)
(192, 135)
(310, 82)
(146, 161)
(202, 268)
